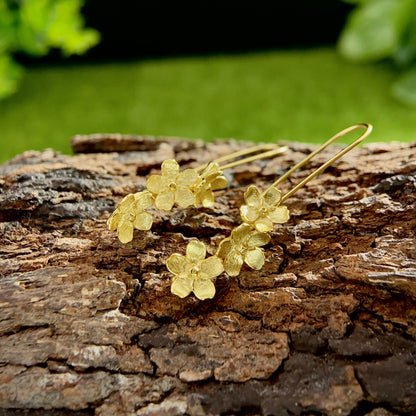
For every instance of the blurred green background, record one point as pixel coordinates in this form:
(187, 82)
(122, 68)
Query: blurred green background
(288, 87)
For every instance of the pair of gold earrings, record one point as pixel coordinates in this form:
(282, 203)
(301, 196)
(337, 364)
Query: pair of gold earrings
(260, 211)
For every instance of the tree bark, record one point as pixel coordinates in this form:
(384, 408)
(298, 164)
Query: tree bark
(89, 326)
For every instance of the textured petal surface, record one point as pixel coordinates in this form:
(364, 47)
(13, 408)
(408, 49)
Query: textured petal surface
(224, 248)
(264, 224)
(272, 197)
(254, 258)
(211, 167)
(113, 221)
(184, 197)
(125, 231)
(187, 178)
(258, 239)
(144, 200)
(211, 267)
(196, 251)
(233, 263)
(239, 234)
(219, 183)
(170, 169)
(143, 221)
(207, 198)
(127, 204)
(181, 286)
(253, 197)
(280, 215)
(204, 289)
(249, 213)
(210, 177)
(165, 200)
(156, 184)
(177, 264)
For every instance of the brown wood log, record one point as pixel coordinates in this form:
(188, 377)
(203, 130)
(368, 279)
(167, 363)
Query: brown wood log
(89, 326)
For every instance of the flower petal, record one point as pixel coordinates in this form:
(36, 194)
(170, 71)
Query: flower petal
(125, 231)
(187, 178)
(156, 184)
(249, 213)
(143, 221)
(127, 204)
(207, 198)
(224, 248)
(144, 200)
(219, 183)
(170, 169)
(181, 286)
(177, 264)
(264, 224)
(211, 267)
(233, 263)
(204, 289)
(196, 251)
(253, 197)
(272, 197)
(280, 215)
(114, 220)
(184, 197)
(258, 239)
(212, 167)
(239, 234)
(254, 258)
(165, 200)
(210, 177)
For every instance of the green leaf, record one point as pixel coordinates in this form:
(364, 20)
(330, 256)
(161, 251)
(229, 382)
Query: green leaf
(10, 75)
(46, 24)
(405, 88)
(65, 30)
(33, 18)
(372, 31)
(36, 26)
(7, 27)
(406, 50)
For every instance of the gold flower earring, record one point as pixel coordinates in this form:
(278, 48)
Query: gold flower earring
(189, 187)
(195, 273)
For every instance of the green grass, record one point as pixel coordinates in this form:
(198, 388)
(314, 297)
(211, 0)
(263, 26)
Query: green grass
(299, 95)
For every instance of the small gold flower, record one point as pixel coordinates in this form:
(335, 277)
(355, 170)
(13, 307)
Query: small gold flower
(210, 180)
(242, 247)
(262, 211)
(194, 273)
(173, 186)
(131, 214)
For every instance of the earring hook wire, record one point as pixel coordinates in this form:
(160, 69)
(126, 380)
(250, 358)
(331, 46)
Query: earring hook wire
(368, 129)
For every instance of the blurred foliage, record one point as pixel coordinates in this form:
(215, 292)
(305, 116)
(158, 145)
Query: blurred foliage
(35, 27)
(384, 29)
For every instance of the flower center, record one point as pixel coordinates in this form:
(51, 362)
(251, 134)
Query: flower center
(263, 210)
(194, 272)
(172, 186)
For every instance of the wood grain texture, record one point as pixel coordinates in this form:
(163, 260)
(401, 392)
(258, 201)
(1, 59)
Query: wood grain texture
(89, 326)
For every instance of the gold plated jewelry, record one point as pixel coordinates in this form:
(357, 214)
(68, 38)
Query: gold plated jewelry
(195, 273)
(186, 188)
(260, 211)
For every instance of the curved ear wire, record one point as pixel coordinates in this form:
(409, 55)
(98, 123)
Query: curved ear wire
(368, 129)
(262, 210)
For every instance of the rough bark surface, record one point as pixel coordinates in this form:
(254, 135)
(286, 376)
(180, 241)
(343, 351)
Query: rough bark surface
(89, 326)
